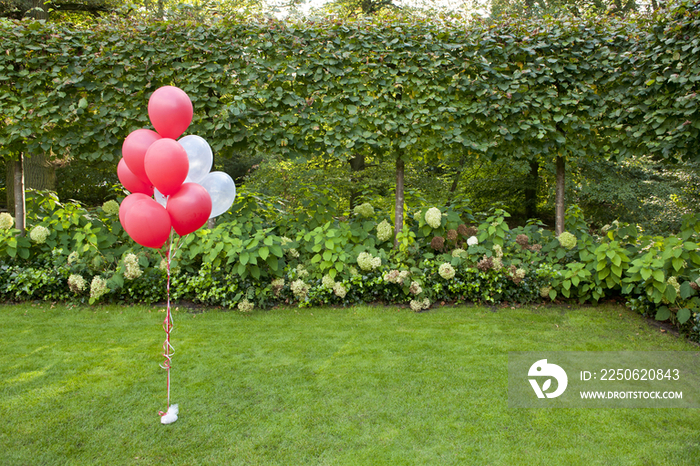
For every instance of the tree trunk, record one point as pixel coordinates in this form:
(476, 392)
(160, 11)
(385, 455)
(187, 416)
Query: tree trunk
(19, 205)
(455, 181)
(33, 172)
(531, 189)
(398, 208)
(38, 10)
(39, 174)
(560, 210)
(357, 164)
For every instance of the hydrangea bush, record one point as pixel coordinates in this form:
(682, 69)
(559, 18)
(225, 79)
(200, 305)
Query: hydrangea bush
(256, 257)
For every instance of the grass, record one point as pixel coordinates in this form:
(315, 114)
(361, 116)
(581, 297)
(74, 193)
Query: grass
(364, 385)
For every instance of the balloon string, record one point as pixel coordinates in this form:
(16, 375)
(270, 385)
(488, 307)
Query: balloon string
(168, 349)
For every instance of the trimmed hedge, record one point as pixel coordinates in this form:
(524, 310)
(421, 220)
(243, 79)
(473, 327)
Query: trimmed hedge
(521, 87)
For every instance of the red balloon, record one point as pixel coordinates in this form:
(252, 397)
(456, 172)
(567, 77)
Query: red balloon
(189, 208)
(131, 182)
(134, 150)
(167, 165)
(148, 223)
(170, 111)
(127, 203)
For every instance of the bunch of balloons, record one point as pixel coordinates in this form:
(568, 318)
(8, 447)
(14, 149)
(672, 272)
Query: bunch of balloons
(185, 194)
(170, 180)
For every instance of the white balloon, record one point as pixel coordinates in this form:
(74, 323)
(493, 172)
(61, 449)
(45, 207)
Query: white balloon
(160, 197)
(199, 155)
(222, 191)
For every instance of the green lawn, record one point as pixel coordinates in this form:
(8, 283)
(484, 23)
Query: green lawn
(364, 385)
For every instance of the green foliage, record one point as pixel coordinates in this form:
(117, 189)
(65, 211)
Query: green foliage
(532, 8)
(660, 114)
(260, 254)
(658, 260)
(90, 182)
(638, 190)
(33, 283)
(403, 87)
(13, 245)
(394, 87)
(494, 228)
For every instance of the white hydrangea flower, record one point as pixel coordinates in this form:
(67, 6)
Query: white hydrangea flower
(446, 271)
(39, 234)
(472, 241)
(367, 262)
(339, 290)
(291, 252)
(520, 273)
(364, 210)
(459, 253)
(384, 231)
(110, 208)
(673, 281)
(76, 283)
(544, 291)
(415, 288)
(72, 257)
(301, 271)
(497, 263)
(497, 250)
(300, 289)
(132, 270)
(328, 282)
(433, 217)
(418, 305)
(277, 285)
(246, 306)
(567, 240)
(6, 221)
(98, 287)
(393, 276)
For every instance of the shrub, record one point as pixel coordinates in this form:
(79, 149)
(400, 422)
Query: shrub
(246, 263)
